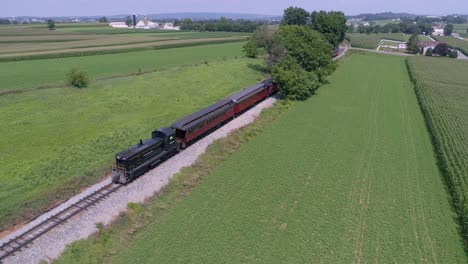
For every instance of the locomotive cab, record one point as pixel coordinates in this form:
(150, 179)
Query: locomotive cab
(168, 135)
(140, 158)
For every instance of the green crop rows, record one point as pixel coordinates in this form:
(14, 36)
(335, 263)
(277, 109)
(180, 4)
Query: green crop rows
(442, 87)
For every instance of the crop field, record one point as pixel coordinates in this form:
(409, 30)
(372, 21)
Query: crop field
(454, 43)
(57, 140)
(442, 87)
(372, 41)
(19, 75)
(460, 28)
(348, 176)
(81, 39)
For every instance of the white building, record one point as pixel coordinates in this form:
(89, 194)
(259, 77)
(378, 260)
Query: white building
(118, 25)
(438, 31)
(147, 24)
(170, 26)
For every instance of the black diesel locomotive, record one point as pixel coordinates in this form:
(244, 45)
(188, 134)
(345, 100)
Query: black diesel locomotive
(166, 142)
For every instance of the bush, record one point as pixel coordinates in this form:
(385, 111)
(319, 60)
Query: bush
(429, 52)
(250, 49)
(453, 54)
(77, 78)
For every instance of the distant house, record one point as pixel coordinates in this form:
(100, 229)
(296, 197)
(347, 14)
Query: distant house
(118, 25)
(438, 31)
(170, 26)
(146, 24)
(425, 45)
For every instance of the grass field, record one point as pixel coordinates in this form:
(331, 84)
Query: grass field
(347, 176)
(28, 74)
(454, 43)
(442, 86)
(372, 41)
(56, 140)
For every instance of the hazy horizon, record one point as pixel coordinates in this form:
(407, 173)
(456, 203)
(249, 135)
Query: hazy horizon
(50, 8)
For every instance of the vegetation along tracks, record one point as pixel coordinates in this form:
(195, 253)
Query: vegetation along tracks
(15, 244)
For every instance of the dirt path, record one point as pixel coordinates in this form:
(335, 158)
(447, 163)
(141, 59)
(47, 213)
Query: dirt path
(51, 245)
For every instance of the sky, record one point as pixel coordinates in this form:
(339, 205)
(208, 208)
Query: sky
(268, 7)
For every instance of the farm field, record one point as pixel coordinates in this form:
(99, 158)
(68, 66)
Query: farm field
(460, 28)
(58, 140)
(346, 176)
(17, 75)
(454, 43)
(371, 41)
(80, 39)
(442, 86)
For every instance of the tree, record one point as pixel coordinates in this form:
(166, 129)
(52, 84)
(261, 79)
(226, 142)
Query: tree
(296, 83)
(129, 21)
(429, 52)
(453, 54)
(295, 16)
(308, 47)
(50, 24)
(103, 20)
(412, 44)
(250, 49)
(448, 30)
(442, 49)
(361, 28)
(332, 25)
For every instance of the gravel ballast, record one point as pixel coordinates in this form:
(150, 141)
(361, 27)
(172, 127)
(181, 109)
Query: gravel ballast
(51, 245)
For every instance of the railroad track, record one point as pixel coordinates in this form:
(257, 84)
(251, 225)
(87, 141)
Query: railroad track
(30, 235)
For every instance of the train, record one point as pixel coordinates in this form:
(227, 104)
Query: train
(168, 141)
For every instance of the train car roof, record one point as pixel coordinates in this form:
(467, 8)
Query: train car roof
(246, 92)
(137, 149)
(251, 90)
(187, 122)
(166, 131)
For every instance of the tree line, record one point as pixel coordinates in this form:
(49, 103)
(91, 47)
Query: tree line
(223, 24)
(298, 54)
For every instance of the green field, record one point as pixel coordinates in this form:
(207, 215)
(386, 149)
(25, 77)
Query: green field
(347, 176)
(371, 41)
(28, 74)
(454, 43)
(460, 28)
(57, 140)
(442, 86)
(26, 42)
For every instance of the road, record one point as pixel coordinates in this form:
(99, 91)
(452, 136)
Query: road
(384, 52)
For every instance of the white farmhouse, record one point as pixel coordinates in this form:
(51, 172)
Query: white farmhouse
(438, 31)
(118, 25)
(147, 24)
(170, 26)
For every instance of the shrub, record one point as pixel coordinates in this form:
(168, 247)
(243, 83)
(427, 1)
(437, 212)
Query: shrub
(429, 52)
(77, 78)
(453, 54)
(250, 49)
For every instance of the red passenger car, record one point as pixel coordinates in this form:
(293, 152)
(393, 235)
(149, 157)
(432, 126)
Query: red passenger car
(252, 95)
(193, 126)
